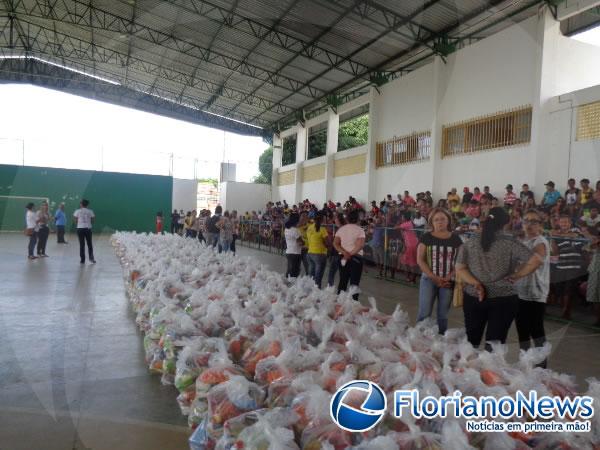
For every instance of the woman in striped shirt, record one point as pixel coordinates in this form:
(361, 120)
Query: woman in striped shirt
(436, 255)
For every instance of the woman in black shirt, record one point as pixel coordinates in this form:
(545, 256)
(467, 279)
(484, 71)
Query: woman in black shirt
(436, 255)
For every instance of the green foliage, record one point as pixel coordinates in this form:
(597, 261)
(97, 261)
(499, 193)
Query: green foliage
(289, 150)
(317, 144)
(212, 181)
(265, 166)
(353, 132)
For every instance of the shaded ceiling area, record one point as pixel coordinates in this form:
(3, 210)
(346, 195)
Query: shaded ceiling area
(246, 66)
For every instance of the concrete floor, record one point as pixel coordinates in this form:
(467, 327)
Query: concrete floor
(72, 370)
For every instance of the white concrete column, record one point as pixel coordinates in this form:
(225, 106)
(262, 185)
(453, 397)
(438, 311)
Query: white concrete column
(435, 157)
(277, 151)
(544, 167)
(371, 166)
(298, 183)
(333, 126)
(301, 144)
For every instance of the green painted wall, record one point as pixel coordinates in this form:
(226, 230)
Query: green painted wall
(121, 201)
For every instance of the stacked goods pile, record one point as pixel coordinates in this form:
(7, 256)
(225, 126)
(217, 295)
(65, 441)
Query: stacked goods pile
(256, 358)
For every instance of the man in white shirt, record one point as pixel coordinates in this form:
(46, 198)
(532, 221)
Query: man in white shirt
(31, 229)
(84, 218)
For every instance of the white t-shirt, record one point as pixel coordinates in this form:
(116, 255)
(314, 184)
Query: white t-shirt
(348, 235)
(291, 241)
(591, 221)
(419, 221)
(31, 220)
(84, 217)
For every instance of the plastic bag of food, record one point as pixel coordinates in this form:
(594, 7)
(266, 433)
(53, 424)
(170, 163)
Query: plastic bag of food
(267, 345)
(558, 384)
(199, 440)
(194, 358)
(282, 392)
(318, 433)
(417, 440)
(232, 398)
(454, 436)
(260, 429)
(217, 373)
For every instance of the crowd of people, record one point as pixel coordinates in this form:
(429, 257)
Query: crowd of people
(219, 230)
(37, 229)
(515, 252)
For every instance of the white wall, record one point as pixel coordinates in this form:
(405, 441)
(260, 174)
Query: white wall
(579, 65)
(314, 191)
(185, 194)
(404, 105)
(244, 196)
(571, 158)
(354, 185)
(529, 63)
(287, 193)
(493, 74)
(395, 180)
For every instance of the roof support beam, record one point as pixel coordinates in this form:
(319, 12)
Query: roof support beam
(383, 67)
(269, 33)
(76, 12)
(367, 44)
(226, 19)
(249, 52)
(53, 77)
(52, 43)
(316, 39)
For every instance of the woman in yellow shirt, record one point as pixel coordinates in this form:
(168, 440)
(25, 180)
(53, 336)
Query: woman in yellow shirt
(316, 236)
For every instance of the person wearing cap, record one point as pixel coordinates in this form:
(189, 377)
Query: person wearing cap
(526, 194)
(467, 196)
(551, 196)
(509, 197)
(587, 193)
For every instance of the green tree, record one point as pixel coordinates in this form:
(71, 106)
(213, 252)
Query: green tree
(265, 167)
(353, 132)
(212, 181)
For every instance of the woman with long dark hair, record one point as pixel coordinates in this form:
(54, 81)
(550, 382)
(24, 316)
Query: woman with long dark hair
(488, 264)
(293, 242)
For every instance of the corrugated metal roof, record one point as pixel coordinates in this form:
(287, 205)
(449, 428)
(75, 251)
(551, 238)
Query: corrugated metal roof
(262, 52)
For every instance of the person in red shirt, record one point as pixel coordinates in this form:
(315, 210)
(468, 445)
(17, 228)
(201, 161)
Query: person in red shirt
(374, 208)
(408, 201)
(477, 194)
